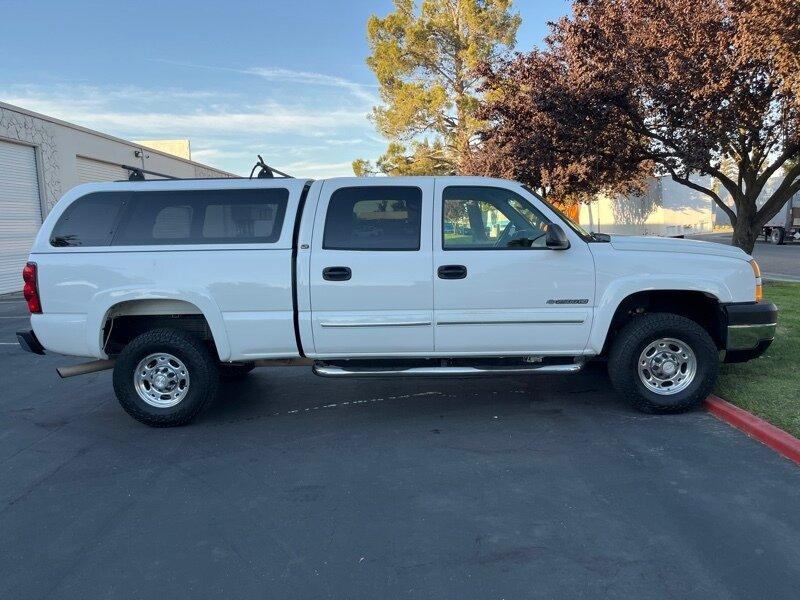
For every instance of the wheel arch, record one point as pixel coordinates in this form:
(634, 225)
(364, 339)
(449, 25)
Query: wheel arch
(188, 310)
(701, 306)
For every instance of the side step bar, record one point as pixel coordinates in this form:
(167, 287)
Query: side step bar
(331, 371)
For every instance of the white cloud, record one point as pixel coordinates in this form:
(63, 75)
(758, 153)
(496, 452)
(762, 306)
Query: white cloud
(354, 142)
(363, 92)
(227, 129)
(268, 118)
(360, 91)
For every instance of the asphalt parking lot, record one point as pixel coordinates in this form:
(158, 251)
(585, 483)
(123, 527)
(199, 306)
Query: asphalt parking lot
(292, 486)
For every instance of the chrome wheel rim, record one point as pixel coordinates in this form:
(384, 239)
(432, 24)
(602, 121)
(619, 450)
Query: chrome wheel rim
(161, 380)
(667, 366)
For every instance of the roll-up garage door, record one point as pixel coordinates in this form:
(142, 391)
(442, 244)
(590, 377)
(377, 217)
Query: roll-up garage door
(90, 170)
(20, 212)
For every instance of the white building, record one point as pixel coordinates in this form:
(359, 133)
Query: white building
(667, 209)
(42, 157)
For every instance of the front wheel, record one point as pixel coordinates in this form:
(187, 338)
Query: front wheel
(165, 377)
(663, 363)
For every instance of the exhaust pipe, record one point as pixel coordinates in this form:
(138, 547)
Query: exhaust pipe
(84, 368)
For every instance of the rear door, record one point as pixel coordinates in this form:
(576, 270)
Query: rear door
(370, 268)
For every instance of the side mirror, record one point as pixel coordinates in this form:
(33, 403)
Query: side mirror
(556, 238)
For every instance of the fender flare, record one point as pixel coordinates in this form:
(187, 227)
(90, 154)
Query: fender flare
(104, 301)
(624, 287)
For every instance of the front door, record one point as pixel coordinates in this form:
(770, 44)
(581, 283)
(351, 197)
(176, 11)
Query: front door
(498, 289)
(370, 268)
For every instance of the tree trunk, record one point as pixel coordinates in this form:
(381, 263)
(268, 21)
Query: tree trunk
(745, 234)
(476, 223)
(745, 229)
(749, 222)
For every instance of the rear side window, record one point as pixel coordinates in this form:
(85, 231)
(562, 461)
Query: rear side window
(204, 217)
(174, 218)
(89, 221)
(374, 218)
(246, 219)
(173, 223)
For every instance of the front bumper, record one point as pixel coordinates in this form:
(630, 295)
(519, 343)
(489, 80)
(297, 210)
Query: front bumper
(750, 329)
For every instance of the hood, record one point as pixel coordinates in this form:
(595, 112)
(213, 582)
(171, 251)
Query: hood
(662, 244)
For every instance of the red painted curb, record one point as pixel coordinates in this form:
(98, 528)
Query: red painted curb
(782, 442)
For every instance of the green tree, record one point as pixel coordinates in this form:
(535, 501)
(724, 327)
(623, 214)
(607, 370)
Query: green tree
(425, 59)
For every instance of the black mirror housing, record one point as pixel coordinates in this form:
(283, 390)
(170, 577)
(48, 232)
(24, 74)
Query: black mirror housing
(556, 238)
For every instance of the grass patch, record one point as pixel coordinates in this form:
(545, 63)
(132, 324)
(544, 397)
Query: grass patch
(769, 386)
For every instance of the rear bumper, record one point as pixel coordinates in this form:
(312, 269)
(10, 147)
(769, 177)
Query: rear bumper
(750, 329)
(29, 342)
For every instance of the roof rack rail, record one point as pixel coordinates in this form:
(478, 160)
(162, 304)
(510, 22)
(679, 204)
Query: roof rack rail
(138, 173)
(265, 171)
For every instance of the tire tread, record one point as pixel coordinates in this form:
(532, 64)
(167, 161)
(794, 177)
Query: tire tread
(204, 375)
(627, 343)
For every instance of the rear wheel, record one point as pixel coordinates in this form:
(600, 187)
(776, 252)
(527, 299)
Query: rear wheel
(663, 363)
(776, 235)
(165, 377)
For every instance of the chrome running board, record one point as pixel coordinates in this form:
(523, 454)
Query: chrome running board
(335, 371)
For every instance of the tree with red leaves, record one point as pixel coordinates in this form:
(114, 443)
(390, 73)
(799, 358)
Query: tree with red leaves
(627, 89)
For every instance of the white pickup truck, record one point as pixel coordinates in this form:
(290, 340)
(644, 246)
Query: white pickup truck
(181, 285)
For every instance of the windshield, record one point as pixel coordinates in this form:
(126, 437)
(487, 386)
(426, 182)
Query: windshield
(585, 235)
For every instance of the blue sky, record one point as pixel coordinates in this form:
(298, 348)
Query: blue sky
(284, 79)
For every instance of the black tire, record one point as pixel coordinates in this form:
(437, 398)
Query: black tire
(235, 371)
(632, 340)
(777, 236)
(195, 355)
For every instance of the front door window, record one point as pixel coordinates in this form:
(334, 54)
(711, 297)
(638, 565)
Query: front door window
(481, 218)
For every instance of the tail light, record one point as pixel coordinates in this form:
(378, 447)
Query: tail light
(31, 288)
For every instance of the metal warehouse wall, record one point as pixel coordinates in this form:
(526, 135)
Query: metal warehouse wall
(41, 158)
(59, 146)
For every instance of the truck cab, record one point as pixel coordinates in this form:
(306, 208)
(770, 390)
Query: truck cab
(386, 278)
(178, 285)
